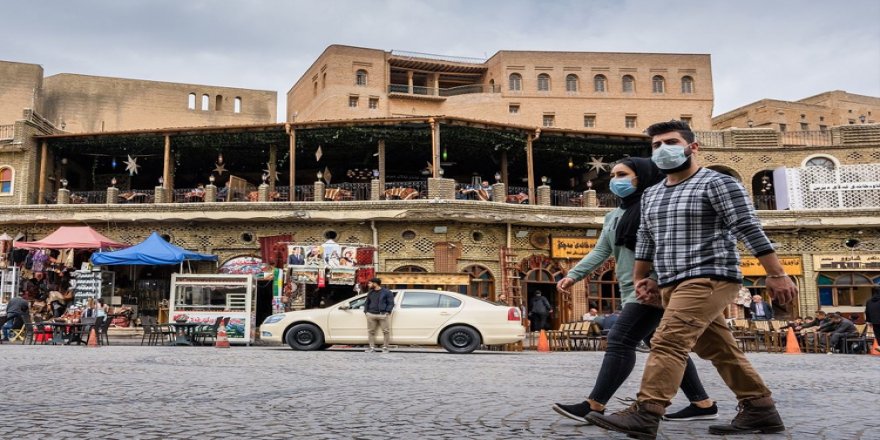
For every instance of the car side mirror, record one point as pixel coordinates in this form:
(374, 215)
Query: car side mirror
(344, 307)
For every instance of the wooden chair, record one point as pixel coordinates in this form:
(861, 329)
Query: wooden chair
(236, 188)
(337, 194)
(744, 335)
(764, 334)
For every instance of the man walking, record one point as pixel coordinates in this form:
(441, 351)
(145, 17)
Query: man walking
(380, 303)
(539, 311)
(688, 233)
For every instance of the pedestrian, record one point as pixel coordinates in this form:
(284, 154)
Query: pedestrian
(872, 313)
(689, 228)
(539, 311)
(630, 178)
(380, 303)
(761, 311)
(16, 310)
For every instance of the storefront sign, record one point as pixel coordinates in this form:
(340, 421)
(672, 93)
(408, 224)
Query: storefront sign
(752, 267)
(91, 284)
(571, 247)
(439, 279)
(846, 262)
(846, 186)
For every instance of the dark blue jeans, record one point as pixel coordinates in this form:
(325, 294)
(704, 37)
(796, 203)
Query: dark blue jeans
(637, 322)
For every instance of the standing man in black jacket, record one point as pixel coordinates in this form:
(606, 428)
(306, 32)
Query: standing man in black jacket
(872, 312)
(380, 303)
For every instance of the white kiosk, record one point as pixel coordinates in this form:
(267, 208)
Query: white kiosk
(204, 297)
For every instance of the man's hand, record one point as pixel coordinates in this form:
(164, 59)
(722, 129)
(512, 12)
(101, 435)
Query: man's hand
(647, 291)
(782, 290)
(564, 284)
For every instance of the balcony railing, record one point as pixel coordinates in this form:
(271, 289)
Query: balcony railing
(443, 92)
(566, 198)
(765, 202)
(807, 138)
(351, 191)
(710, 138)
(607, 200)
(434, 57)
(88, 197)
(7, 132)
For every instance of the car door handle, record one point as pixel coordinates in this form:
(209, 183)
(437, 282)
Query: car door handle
(444, 313)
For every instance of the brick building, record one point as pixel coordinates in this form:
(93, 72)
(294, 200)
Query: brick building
(815, 113)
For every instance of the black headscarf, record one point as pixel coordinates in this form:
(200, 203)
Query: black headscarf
(648, 175)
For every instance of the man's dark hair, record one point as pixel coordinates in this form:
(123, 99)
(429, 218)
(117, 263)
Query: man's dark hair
(376, 281)
(819, 312)
(680, 127)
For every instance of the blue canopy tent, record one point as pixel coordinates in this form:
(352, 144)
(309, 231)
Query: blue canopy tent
(152, 251)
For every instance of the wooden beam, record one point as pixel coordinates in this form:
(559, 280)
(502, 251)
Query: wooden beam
(504, 169)
(292, 155)
(273, 165)
(166, 170)
(530, 165)
(44, 159)
(381, 165)
(435, 149)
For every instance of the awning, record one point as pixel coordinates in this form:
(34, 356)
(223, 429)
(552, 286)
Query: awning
(71, 237)
(153, 251)
(424, 278)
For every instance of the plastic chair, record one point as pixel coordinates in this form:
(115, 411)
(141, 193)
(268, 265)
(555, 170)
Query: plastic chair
(102, 330)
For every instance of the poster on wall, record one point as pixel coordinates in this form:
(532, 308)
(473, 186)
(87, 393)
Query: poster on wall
(296, 255)
(332, 253)
(342, 275)
(314, 255)
(304, 274)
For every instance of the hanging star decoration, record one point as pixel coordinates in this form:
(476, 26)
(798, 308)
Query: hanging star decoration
(597, 164)
(131, 166)
(318, 153)
(219, 168)
(268, 173)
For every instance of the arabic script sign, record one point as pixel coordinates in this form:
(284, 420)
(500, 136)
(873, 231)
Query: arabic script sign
(571, 247)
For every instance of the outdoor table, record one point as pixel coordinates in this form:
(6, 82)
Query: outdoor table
(73, 331)
(185, 332)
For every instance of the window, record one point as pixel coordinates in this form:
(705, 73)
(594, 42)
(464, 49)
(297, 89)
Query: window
(543, 82)
(324, 80)
(805, 126)
(603, 293)
(687, 85)
(236, 106)
(599, 83)
(353, 101)
(782, 127)
(821, 161)
(571, 83)
(218, 103)
(847, 289)
(549, 120)
(191, 101)
(629, 84)
(658, 84)
(515, 82)
(630, 122)
(315, 89)
(482, 284)
(513, 109)
(374, 103)
(360, 78)
(420, 300)
(6, 175)
(590, 121)
(205, 101)
(821, 118)
(688, 120)
(823, 128)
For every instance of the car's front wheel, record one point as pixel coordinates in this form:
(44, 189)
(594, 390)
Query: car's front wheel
(305, 337)
(460, 339)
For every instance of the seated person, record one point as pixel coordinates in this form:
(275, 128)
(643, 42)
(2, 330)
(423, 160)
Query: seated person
(16, 311)
(842, 328)
(590, 316)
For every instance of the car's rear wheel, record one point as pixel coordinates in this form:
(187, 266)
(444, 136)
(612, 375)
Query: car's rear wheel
(305, 337)
(460, 339)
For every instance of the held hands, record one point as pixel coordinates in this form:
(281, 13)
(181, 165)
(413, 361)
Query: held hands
(564, 285)
(782, 289)
(648, 293)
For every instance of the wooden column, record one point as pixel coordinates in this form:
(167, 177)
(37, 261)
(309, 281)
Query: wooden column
(41, 185)
(504, 169)
(273, 166)
(166, 171)
(292, 155)
(409, 81)
(530, 166)
(435, 148)
(381, 168)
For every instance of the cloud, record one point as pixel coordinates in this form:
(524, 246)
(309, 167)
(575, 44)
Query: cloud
(783, 49)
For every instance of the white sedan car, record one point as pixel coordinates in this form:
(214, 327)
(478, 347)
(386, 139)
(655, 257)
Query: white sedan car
(457, 322)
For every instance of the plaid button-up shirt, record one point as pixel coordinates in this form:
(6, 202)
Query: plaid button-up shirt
(689, 230)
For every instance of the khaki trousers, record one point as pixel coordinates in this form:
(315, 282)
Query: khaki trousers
(694, 319)
(374, 321)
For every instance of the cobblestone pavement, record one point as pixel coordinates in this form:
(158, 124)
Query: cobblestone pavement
(273, 392)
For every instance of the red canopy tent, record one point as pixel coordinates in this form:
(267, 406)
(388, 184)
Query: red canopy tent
(71, 237)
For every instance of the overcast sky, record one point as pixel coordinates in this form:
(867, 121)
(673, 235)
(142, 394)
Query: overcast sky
(760, 49)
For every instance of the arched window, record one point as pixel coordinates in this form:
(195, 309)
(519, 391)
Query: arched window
(543, 82)
(687, 85)
(6, 178)
(218, 103)
(848, 289)
(482, 283)
(411, 268)
(599, 82)
(360, 77)
(658, 84)
(205, 101)
(821, 161)
(571, 83)
(191, 101)
(236, 106)
(324, 80)
(629, 84)
(515, 80)
(492, 85)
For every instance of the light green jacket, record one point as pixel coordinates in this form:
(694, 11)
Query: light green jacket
(605, 248)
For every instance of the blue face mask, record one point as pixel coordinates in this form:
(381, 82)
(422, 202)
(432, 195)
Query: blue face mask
(622, 186)
(669, 157)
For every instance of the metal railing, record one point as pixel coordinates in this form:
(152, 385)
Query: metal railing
(302, 193)
(353, 191)
(188, 195)
(7, 132)
(88, 197)
(404, 190)
(451, 91)
(566, 198)
(607, 200)
(435, 57)
(807, 138)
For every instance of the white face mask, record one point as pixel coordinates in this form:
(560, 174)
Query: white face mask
(668, 157)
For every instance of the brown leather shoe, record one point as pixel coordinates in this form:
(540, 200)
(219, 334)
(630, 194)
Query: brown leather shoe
(639, 421)
(755, 416)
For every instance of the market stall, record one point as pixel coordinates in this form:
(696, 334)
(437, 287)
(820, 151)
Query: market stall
(202, 298)
(323, 274)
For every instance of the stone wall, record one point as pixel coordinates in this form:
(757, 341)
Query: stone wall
(20, 86)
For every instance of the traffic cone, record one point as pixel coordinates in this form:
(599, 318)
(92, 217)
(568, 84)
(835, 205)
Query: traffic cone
(222, 340)
(791, 343)
(93, 339)
(876, 350)
(543, 343)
